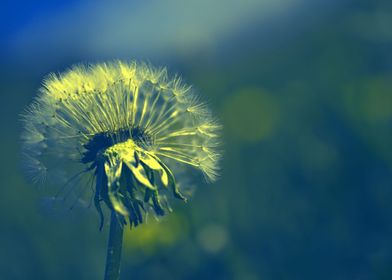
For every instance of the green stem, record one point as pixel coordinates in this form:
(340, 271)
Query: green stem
(113, 257)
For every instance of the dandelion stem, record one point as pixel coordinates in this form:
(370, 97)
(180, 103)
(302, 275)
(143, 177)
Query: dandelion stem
(113, 257)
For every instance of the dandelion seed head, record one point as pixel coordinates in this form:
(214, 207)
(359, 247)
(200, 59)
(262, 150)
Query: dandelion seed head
(130, 125)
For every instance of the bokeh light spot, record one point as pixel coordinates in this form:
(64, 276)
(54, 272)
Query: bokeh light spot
(213, 238)
(370, 101)
(250, 115)
(155, 235)
(369, 107)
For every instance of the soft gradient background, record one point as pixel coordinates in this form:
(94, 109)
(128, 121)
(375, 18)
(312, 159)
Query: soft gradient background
(304, 90)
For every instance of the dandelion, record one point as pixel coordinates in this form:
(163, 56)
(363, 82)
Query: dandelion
(128, 130)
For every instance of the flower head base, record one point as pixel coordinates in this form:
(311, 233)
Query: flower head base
(129, 126)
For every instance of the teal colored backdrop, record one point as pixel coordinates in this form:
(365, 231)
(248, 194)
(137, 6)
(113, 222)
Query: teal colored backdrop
(304, 91)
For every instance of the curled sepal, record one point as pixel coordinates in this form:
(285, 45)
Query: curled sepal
(157, 204)
(127, 152)
(113, 169)
(140, 175)
(153, 164)
(153, 194)
(125, 173)
(171, 179)
(135, 214)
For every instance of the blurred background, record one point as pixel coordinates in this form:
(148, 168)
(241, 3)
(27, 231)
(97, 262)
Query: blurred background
(304, 91)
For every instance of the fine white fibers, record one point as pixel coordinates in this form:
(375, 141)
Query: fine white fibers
(110, 98)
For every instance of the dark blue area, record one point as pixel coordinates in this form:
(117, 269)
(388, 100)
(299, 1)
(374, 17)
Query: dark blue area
(14, 15)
